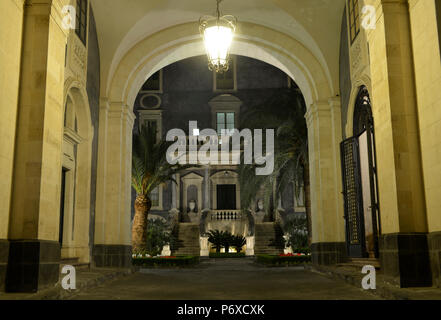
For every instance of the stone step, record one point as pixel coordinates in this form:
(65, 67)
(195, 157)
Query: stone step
(360, 263)
(188, 240)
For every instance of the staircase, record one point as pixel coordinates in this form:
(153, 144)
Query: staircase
(268, 239)
(188, 240)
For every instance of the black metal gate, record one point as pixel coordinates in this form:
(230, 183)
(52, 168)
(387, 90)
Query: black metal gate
(353, 201)
(353, 184)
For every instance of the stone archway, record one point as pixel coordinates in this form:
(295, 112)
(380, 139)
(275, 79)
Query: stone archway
(77, 159)
(183, 41)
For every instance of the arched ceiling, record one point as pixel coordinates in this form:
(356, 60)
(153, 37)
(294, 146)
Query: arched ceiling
(121, 24)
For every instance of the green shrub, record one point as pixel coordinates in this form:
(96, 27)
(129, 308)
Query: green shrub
(297, 230)
(166, 262)
(238, 242)
(216, 238)
(282, 260)
(158, 236)
(225, 239)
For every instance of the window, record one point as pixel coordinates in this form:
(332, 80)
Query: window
(154, 197)
(152, 124)
(225, 123)
(151, 118)
(154, 83)
(354, 19)
(226, 81)
(81, 23)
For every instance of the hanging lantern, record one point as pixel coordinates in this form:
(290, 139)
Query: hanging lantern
(218, 33)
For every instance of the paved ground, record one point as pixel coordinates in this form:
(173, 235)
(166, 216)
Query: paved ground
(228, 279)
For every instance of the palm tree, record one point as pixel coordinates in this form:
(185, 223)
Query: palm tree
(150, 169)
(238, 242)
(216, 238)
(284, 112)
(227, 241)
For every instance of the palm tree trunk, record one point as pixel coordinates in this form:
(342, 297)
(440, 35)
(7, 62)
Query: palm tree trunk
(139, 228)
(307, 191)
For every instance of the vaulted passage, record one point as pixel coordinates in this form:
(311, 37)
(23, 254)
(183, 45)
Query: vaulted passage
(315, 131)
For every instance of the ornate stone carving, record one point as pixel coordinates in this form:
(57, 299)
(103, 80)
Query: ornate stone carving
(76, 59)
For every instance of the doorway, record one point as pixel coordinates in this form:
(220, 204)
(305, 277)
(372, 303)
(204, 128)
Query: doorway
(226, 197)
(62, 202)
(359, 170)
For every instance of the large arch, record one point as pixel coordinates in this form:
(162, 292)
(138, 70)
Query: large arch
(183, 41)
(112, 233)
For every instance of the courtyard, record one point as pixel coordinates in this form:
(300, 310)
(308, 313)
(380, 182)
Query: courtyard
(115, 157)
(226, 279)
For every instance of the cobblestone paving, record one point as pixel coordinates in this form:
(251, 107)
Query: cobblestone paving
(228, 279)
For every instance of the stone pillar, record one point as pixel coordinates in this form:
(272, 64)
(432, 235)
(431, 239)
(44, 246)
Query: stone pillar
(324, 136)
(250, 246)
(112, 246)
(34, 252)
(174, 194)
(207, 204)
(403, 244)
(205, 247)
(11, 28)
(425, 17)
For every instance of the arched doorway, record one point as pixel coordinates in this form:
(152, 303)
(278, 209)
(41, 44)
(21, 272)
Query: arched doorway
(76, 178)
(359, 170)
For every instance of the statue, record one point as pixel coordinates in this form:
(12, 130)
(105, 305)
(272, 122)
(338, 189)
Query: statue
(260, 212)
(193, 213)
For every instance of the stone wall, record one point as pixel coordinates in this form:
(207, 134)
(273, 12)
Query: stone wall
(93, 92)
(345, 74)
(425, 17)
(11, 26)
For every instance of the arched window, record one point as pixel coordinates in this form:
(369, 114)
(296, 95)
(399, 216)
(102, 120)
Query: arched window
(363, 119)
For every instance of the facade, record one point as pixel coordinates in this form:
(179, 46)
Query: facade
(371, 81)
(187, 91)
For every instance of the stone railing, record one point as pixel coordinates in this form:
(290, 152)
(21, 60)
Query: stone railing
(226, 215)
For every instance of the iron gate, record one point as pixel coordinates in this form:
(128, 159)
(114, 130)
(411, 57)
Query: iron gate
(353, 201)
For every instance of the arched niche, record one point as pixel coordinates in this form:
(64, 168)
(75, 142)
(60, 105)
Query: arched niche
(76, 175)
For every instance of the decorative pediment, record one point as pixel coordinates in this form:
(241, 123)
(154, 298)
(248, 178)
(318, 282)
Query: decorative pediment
(193, 176)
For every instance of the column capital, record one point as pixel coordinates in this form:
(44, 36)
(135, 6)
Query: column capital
(129, 115)
(116, 109)
(104, 104)
(335, 102)
(51, 8)
(322, 108)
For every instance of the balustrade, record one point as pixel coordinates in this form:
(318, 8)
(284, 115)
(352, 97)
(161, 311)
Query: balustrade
(228, 215)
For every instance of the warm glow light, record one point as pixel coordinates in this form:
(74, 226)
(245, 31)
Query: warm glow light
(218, 41)
(218, 34)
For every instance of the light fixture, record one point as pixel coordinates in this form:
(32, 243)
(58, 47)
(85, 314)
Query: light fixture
(218, 33)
